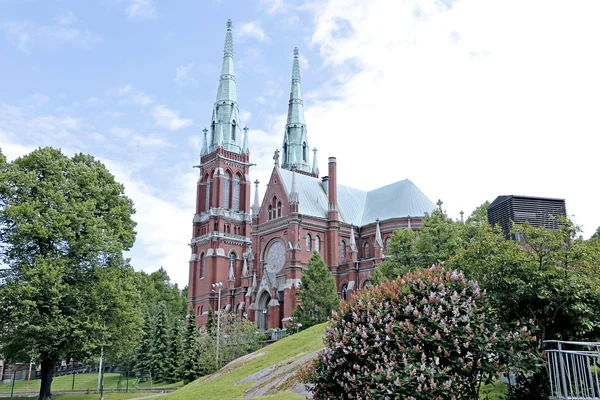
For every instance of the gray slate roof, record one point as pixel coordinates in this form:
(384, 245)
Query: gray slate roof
(359, 207)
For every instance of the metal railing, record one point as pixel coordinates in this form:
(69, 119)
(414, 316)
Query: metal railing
(573, 368)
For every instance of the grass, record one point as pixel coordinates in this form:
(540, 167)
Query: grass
(225, 386)
(107, 396)
(85, 382)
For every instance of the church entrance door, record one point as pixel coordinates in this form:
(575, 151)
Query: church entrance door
(263, 311)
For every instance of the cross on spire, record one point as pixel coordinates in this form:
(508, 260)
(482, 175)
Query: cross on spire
(276, 157)
(462, 213)
(439, 204)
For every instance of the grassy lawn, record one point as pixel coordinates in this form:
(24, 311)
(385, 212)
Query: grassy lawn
(85, 382)
(224, 387)
(107, 396)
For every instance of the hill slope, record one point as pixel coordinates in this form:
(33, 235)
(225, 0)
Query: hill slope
(268, 372)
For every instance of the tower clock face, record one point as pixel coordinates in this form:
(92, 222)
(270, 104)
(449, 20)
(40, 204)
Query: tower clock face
(275, 257)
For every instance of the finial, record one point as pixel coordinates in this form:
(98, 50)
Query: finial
(229, 24)
(276, 157)
(439, 204)
(296, 52)
(462, 213)
(245, 142)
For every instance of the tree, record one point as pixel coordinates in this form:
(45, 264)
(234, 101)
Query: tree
(64, 223)
(430, 334)
(160, 346)
(191, 352)
(548, 276)
(400, 258)
(440, 238)
(317, 296)
(143, 357)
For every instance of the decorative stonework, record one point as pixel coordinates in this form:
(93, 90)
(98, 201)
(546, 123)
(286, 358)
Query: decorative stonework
(275, 257)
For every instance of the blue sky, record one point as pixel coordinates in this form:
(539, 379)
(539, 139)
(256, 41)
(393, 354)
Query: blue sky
(469, 99)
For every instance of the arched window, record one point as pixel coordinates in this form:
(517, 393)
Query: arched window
(388, 242)
(308, 243)
(367, 253)
(233, 127)
(201, 310)
(270, 212)
(367, 284)
(279, 209)
(202, 265)
(317, 244)
(236, 192)
(285, 154)
(342, 249)
(213, 133)
(304, 152)
(345, 292)
(226, 189)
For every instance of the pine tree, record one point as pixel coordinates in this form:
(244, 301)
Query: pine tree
(317, 295)
(191, 349)
(211, 327)
(143, 362)
(172, 366)
(160, 346)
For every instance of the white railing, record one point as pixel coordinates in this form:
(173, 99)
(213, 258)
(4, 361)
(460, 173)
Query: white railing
(574, 369)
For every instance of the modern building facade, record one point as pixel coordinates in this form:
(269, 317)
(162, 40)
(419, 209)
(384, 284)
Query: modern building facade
(259, 252)
(537, 211)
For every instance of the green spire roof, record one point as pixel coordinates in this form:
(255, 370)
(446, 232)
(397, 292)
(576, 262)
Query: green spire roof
(225, 126)
(295, 142)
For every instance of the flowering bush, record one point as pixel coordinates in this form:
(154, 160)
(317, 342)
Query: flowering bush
(428, 335)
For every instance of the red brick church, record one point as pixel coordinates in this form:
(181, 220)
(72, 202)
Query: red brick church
(259, 252)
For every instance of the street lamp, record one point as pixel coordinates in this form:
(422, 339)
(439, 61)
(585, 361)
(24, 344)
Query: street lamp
(217, 287)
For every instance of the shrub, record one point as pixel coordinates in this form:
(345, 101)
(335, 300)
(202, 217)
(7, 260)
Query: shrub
(428, 335)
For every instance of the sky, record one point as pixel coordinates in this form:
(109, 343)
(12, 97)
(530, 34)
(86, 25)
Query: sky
(469, 99)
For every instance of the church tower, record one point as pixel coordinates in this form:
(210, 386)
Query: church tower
(221, 225)
(295, 142)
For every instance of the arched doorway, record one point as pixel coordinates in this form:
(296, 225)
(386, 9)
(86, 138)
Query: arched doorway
(262, 319)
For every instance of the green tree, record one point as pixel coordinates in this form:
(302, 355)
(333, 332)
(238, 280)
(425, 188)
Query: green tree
(400, 258)
(64, 222)
(548, 276)
(173, 358)
(440, 239)
(143, 356)
(160, 346)
(317, 296)
(191, 352)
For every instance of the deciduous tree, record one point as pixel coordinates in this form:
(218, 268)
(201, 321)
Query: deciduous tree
(64, 223)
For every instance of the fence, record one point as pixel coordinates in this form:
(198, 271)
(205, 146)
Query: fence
(573, 370)
(17, 383)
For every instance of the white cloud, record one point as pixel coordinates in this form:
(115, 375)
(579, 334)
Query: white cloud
(134, 139)
(274, 6)
(66, 19)
(245, 116)
(169, 119)
(252, 30)
(182, 75)
(133, 96)
(466, 99)
(141, 9)
(26, 35)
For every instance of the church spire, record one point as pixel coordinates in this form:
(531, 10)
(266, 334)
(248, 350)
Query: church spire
(225, 125)
(315, 167)
(295, 142)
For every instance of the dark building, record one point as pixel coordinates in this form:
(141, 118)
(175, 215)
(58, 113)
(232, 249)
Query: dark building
(538, 211)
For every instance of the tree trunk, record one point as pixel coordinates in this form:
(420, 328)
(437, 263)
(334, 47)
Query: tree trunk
(47, 375)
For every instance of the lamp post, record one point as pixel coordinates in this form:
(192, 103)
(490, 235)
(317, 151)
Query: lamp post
(217, 288)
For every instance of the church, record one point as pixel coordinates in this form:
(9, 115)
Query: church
(258, 252)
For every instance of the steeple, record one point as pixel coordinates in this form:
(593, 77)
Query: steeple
(225, 124)
(295, 142)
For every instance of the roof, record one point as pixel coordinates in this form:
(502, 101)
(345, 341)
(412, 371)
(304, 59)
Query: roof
(359, 207)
